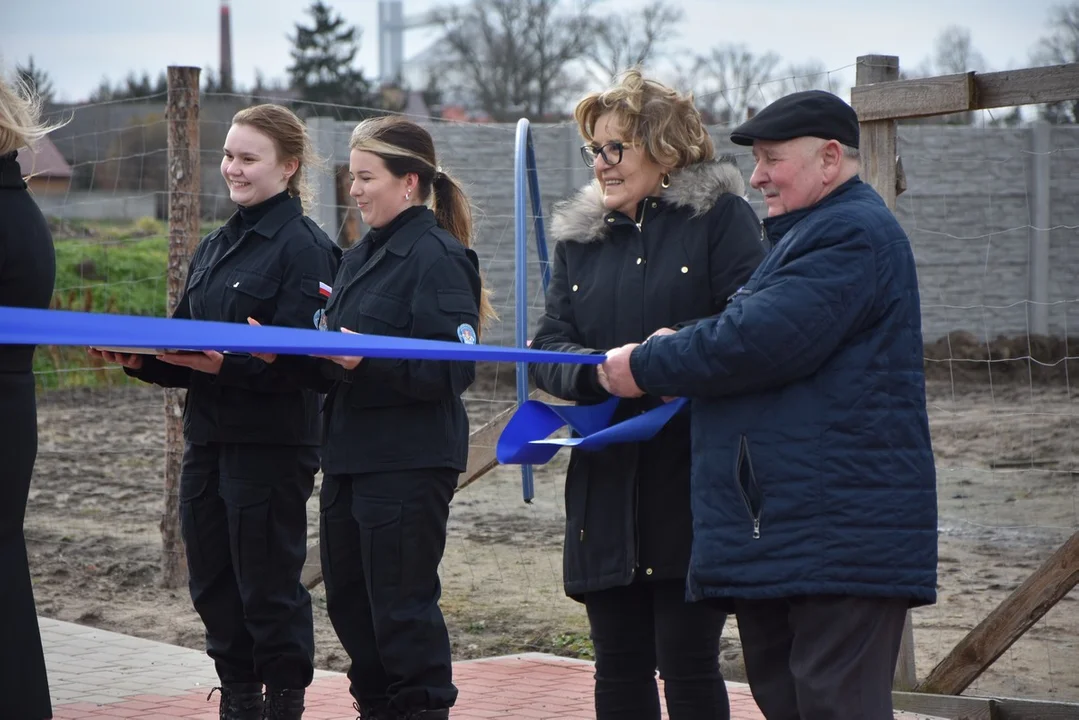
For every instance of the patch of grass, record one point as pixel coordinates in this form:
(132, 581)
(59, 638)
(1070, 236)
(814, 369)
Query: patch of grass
(574, 644)
(107, 267)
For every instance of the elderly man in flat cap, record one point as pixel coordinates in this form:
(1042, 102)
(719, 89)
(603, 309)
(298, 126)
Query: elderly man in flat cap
(813, 486)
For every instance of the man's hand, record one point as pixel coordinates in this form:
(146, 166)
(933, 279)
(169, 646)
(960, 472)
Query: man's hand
(661, 332)
(207, 361)
(615, 376)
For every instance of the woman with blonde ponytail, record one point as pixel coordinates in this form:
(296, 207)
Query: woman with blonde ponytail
(396, 431)
(27, 274)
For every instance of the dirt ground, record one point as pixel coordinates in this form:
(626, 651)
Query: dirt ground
(1007, 471)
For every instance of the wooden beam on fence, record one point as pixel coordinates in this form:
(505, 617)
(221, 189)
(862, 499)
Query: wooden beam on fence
(880, 168)
(1007, 623)
(965, 707)
(482, 444)
(915, 98)
(1029, 86)
(184, 182)
(924, 97)
(878, 137)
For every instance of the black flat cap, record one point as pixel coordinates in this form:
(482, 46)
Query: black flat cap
(812, 113)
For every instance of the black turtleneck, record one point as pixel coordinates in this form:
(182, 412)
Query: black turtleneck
(11, 172)
(249, 216)
(379, 236)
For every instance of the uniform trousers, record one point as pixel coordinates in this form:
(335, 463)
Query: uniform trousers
(382, 539)
(243, 515)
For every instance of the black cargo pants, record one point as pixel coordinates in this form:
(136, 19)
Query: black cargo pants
(382, 539)
(243, 517)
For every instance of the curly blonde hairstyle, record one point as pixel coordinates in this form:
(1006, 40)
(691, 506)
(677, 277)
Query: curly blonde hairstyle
(664, 121)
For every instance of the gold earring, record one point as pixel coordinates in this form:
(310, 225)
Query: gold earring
(666, 182)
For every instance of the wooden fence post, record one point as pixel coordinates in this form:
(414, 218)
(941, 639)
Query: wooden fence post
(184, 167)
(879, 150)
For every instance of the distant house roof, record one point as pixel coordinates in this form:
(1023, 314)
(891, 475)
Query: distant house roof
(43, 160)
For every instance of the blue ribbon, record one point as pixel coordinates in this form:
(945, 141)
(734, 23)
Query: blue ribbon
(25, 326)
(525, 440)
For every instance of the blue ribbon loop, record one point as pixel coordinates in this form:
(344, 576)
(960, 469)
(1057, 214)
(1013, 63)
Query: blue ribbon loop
(526, 441)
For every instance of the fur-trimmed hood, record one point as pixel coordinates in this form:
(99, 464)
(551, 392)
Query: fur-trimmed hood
(698, 186)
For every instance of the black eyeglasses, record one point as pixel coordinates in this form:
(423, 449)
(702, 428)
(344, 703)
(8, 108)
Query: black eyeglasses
(611, 152)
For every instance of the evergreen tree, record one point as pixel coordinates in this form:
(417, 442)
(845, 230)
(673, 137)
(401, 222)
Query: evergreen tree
(36, 79)
(322, 57)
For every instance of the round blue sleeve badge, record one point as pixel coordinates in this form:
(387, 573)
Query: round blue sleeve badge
(466, 334)
(319, 319)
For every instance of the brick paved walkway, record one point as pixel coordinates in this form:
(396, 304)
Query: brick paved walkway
(96, 674)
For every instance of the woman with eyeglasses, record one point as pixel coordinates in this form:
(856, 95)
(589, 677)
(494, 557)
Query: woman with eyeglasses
(661, 238)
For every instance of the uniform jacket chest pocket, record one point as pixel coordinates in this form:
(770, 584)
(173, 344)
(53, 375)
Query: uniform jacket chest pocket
(195, 293)
(250, 294)
(382, 314)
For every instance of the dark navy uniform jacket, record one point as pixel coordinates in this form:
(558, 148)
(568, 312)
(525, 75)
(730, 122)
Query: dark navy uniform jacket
(270, 271)
(411, 279)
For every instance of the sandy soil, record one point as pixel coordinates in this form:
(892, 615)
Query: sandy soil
(1007, 465)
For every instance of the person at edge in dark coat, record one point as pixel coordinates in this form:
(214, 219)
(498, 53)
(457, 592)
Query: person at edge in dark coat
(660, 238)
(27, 275)
(251, 432)
(814, 488)
(396, 431)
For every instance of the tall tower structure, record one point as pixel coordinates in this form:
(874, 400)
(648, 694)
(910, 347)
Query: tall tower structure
(392, 24)
(225, 69)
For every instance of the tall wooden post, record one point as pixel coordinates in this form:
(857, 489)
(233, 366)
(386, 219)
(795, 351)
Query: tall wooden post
(182, 113)
(879, 153)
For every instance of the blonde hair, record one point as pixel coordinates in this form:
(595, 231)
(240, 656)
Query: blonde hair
(290, 139)
(406, 147)
(664, 121)
(20, 117)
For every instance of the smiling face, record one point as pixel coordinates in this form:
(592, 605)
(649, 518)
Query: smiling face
(792, 174)
(636, 177)
(379, 194)
(251, 167)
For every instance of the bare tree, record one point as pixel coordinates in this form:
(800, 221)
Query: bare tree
(1059, 47)
(621, 41)
(955, 52)
(810, 75)
(730, 81)
(513, 56)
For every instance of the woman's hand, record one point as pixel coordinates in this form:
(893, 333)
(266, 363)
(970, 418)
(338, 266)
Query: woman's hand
(348, 362)
(207, 361)
(127, 360)
(267, 358)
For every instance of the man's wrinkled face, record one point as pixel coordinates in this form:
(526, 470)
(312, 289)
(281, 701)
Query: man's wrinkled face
(790, 173)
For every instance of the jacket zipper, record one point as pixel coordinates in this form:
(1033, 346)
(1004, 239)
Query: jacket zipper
(745, 459)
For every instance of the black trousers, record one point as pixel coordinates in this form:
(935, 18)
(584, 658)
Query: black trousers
(382, 539)
(24, 686)
(243, 515)
(648, 625)
(822, 657)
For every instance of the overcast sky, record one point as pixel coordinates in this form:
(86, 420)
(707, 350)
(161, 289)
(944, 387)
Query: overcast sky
(79, 41)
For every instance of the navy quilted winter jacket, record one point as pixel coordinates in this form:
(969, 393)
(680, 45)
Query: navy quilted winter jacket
(812, 465)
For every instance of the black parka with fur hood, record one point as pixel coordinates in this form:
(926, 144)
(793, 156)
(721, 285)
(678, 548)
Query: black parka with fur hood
(615, 280)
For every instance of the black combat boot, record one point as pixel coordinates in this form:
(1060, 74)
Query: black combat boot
(440, 714)
(372, 713)
(239, 701)
(283, 704)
